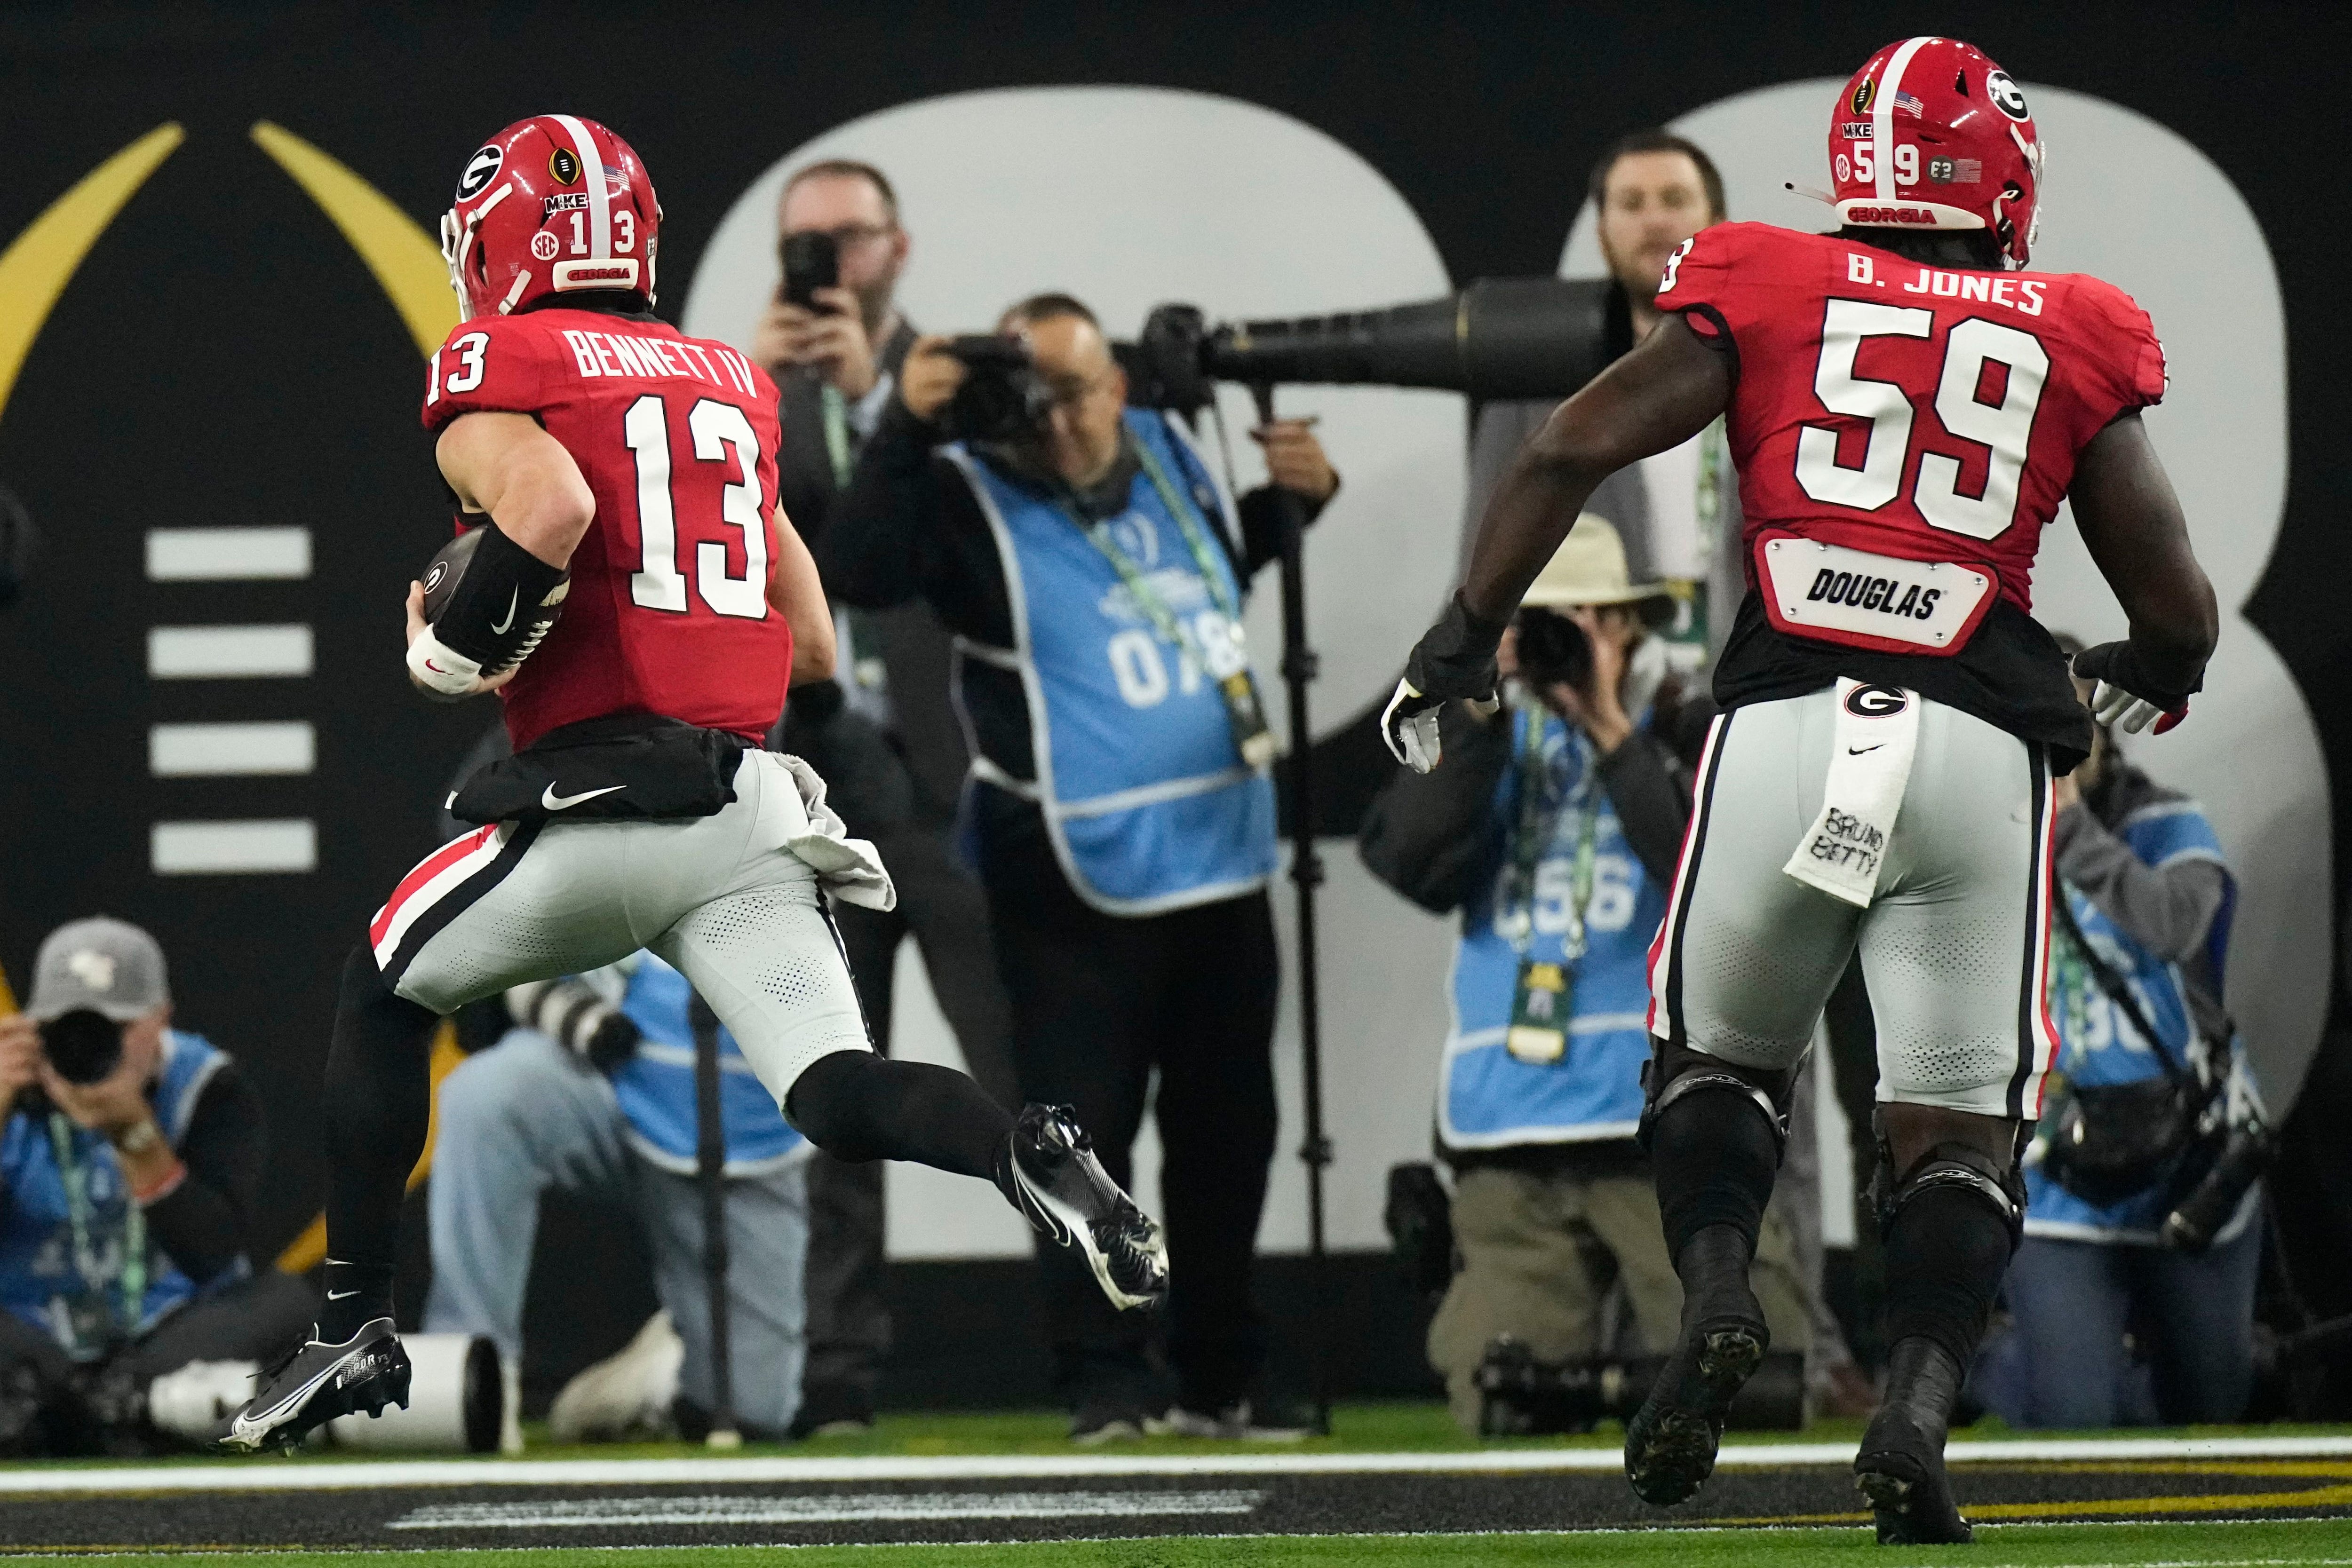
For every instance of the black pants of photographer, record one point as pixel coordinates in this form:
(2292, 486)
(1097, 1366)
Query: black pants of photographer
(52, 1405)
(943, 909)
(1100, 1003)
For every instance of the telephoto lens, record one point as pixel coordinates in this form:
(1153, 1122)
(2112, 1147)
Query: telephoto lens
(83, 1045)
(2198, 1219)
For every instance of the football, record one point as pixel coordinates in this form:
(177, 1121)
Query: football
(442, 572)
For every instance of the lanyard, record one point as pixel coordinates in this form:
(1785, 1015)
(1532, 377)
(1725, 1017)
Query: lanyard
(1147, 598)
(1714, 457)
(1537, 826)
(836, 432)
(86, 1262)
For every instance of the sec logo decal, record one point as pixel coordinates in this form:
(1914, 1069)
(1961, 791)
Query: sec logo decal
(544, 246)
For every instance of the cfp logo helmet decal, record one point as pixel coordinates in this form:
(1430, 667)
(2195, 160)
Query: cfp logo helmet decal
(1863, 95)
(93, 968)
(565, 164)
(2006, 97)
(480, 168)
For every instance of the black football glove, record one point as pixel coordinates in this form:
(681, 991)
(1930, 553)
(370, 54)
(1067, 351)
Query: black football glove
(1455, 659)
(2126, 692)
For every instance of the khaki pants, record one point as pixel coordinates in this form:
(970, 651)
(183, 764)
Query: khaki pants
(1524, 1241)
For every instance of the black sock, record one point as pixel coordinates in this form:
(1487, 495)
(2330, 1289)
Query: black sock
(1946, 1251)
(378, 1106)
(1714, 1155)
(856, 1106)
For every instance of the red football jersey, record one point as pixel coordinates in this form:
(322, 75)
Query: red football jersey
(1888, 409)
(677, 436)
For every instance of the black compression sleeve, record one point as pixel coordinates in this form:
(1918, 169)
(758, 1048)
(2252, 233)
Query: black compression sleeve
(501, 603)
(856, 1106)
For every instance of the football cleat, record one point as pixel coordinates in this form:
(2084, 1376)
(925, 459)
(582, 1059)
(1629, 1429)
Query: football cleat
(1053, 1177)
(1900, 1465)
(1670, 1443)
(314, 1382)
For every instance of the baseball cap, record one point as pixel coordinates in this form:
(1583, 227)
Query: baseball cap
(109, 965)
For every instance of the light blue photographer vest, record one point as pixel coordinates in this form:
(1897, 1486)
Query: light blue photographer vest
(1488, 1098)
(1145, 795)
(74, 1293)
(2099, 1044)
(655, 1086)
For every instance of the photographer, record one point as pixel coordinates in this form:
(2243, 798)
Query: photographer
(1555, 829)
(594, 1091)
(1121, 811)
(885, 736)
(2141, 1220)
(1678, 511)
(131, 1155)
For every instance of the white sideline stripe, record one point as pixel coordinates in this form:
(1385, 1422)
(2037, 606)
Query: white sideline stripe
(333, 1475)
(202, 849)
(831, 1508)
(201, 751)
(227, 554)
(218, 652)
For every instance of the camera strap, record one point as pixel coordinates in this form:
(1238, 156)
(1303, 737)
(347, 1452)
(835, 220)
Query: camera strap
(73, 1175)
(2075, 949)
(1224, 655)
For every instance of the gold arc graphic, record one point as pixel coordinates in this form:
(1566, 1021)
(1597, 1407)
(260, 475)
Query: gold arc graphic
(406, 261)
(407, 265)
(40, 262)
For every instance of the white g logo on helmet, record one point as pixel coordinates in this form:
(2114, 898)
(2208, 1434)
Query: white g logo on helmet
(478, 169)
(2006, 97)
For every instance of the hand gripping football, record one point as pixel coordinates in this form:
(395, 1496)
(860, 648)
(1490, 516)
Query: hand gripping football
(500, 621)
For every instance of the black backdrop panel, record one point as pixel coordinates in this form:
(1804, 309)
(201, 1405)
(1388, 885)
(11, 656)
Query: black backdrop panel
(221, 357)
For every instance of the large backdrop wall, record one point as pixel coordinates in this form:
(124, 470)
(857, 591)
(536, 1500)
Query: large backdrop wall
(214, 291)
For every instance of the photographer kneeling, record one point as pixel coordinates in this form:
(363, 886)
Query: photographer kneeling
(2143, 1216)
(1555, 829)
(1119, 807)
(130, 1159)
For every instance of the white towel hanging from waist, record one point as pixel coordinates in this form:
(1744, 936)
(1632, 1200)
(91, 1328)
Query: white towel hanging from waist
(1871, 744)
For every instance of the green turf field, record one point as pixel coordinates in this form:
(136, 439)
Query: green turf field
(2241, 1546)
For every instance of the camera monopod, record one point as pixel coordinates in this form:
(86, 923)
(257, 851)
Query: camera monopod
(1298, 670)
(710, 1177)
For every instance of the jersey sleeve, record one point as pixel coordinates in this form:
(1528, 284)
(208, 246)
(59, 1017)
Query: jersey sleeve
(1709, 280)
(491, 364)
(2120, 342)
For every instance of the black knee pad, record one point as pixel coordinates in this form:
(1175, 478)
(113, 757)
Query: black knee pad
(1949, 1166)
(1675, 1071)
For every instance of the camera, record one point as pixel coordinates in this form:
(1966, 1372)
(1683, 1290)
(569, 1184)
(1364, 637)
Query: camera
(1521, 1397)
(83, 1045)
(1003, 397)
(812, 261)
(1499, 338)
(1553, 650)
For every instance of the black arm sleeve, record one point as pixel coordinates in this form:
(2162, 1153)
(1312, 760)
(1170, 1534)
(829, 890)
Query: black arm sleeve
(907, 528)
(1426, 834)
(1653, 803)
(201, 1224)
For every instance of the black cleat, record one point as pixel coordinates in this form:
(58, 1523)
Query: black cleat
(313, 1382)
(1052, 1177)
(1670, 1443)
(1900, 1465)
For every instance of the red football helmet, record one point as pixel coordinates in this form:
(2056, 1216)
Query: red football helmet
(551, 204)
(1930, 135)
